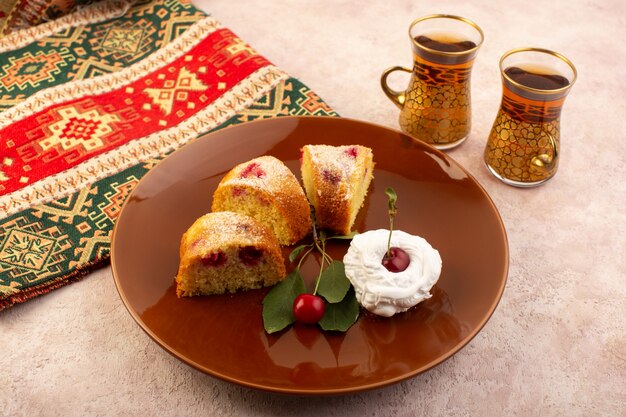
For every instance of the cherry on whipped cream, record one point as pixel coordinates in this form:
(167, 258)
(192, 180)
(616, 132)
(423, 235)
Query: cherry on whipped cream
(397, 260)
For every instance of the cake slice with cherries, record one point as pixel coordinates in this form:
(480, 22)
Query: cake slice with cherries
(336, 180)
(264, 188)
(225, 252)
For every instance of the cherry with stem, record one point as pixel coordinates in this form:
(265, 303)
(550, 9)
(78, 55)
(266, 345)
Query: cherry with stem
(310, 308)
(395, 259)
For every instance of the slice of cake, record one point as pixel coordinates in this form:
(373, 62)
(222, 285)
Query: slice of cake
(264, 188)
(227, 252)
(336, 179)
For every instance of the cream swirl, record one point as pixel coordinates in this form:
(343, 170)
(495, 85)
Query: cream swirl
(383, 292)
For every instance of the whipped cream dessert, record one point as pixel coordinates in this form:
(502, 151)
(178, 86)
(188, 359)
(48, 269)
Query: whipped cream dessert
(383, 292)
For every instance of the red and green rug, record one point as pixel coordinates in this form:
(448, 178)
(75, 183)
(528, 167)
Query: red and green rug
(90, 102)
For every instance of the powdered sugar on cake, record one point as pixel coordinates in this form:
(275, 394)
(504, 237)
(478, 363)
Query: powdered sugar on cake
(262, 172)
(336, 180)
(227, 252)
(224, 230)
(337, 162)
(266, 189)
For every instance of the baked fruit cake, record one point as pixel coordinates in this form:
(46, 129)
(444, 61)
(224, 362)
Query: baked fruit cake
(336, 180)
(264, 188)
(226, 252)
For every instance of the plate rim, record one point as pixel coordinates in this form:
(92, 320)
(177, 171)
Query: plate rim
(330, 391)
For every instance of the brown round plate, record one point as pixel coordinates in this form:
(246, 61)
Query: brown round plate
(223, 335)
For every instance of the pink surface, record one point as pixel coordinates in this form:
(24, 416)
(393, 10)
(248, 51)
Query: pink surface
(555, 346)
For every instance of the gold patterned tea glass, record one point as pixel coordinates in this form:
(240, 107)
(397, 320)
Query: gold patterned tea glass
(523, 146)
(436, 107)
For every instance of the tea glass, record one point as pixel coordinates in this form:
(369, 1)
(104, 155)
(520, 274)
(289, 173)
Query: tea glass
(523, 147)
(436, 107)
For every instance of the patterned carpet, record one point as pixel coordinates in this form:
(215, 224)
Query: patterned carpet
(90, 102)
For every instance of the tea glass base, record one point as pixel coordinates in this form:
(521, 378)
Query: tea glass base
(514, 183)
(444, 146)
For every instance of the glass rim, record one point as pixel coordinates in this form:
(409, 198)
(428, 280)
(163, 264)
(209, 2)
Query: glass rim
(544, 51)
(446, 16)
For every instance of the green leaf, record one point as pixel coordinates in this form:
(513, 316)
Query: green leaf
(391, 193)
(278, 303)
(347, 237)
(333, 284)
(393, 198)
(340, 316)
(322, 235)
(297, 251)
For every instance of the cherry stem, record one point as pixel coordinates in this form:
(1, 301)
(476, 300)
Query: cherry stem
(316, 239)
(323, 253)
(320, 245)
(304, 256)
(389, 239)
(393, 210)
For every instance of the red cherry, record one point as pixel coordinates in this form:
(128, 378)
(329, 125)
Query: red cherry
(250, 256)
(308, 308)
(238, 191)
(214, 259)
(352, 152)
(398, 261)
(330, 176)
(252, 170)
